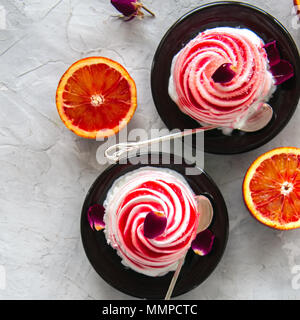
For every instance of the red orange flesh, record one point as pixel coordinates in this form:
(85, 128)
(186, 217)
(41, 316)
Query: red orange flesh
(271, 188)
(297, 5)
(96, 97)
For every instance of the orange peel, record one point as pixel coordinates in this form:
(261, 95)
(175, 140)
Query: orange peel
(96, 97)
(271, 188)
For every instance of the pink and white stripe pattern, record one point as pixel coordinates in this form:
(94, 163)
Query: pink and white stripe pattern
(193, 89)
(128, 202)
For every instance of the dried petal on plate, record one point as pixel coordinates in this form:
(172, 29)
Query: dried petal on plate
(225, 73)
(203, 242)
(272, 53)
(282, 71)
(95, 217)
(154, 224)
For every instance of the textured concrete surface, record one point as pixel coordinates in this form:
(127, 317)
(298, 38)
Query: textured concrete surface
(46, 170)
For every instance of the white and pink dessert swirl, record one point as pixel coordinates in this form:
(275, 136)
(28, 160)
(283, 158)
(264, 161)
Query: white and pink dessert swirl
(128, 202)
(224, 104)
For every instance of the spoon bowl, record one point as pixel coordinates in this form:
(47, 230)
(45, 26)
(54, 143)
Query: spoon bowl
(205, 207)
(259, 119)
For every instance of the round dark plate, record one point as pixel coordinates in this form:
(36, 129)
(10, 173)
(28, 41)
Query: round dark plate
(232, 14)
(107, 263)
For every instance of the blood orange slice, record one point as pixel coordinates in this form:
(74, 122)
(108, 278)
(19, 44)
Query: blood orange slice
(96, 97)
(271, 188)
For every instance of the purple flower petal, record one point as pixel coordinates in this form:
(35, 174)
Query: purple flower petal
(126, 7)
(203, 242)
(272, 53)
(282, 71)
(154, 224)
(225, 73)
(95, 216)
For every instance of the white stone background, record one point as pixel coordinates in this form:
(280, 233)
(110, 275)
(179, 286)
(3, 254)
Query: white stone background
(46, 170)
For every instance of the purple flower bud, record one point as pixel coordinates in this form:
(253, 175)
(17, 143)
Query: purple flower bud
(130, 8)
(126, 7)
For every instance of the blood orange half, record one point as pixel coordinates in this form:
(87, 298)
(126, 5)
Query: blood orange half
(96, 97)
(297, 6)
(271, 188)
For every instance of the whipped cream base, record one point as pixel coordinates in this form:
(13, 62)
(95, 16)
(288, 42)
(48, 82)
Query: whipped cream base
(239, 122)
(111, 203)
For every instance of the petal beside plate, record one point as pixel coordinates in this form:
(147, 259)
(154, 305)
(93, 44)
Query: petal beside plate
(230, 14)
(107, 263)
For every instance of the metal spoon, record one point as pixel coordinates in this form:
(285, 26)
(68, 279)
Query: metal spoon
(204, 206)
(257, 121)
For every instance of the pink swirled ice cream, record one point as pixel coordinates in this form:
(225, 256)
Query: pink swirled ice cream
(228, 104)
(128, 202)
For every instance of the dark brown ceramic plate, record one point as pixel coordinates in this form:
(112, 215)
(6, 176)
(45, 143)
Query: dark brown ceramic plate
(232, 14)
(107, 263)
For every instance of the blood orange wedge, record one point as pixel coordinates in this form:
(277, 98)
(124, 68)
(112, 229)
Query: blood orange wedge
(96, 97)
(271, 188)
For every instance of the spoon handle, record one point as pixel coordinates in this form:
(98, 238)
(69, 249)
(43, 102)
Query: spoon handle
(205, 207)
(116, 151)
(174, 279)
